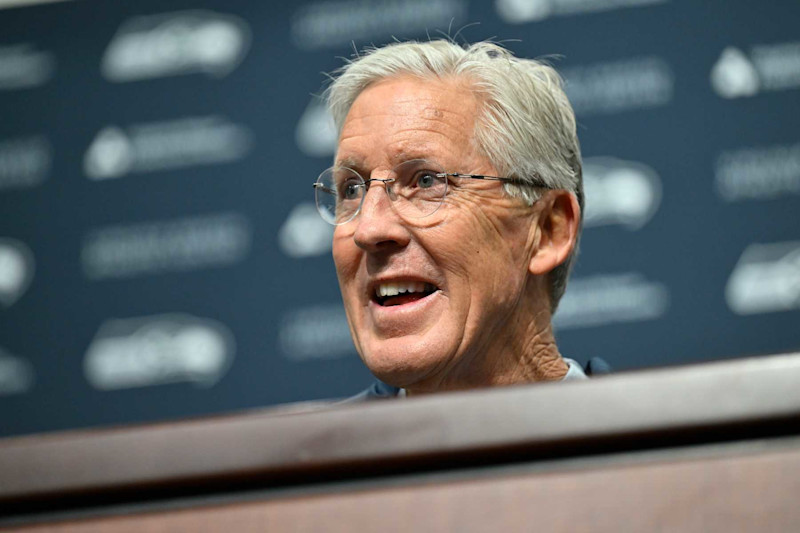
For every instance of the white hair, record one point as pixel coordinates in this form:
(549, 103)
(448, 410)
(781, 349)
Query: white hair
(526, 126)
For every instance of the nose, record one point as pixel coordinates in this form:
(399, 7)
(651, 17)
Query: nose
(378, 227)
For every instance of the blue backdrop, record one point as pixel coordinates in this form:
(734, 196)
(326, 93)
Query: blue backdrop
(160, 255)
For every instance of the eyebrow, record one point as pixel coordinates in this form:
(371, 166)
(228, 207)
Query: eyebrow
(410, 155)
(350, 162)
(353, 164)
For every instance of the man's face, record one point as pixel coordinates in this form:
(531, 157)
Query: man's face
(466, 266)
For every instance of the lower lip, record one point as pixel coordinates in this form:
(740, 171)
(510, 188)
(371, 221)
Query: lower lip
(406, 316)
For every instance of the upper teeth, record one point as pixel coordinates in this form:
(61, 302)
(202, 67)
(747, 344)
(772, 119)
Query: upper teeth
(393, 289)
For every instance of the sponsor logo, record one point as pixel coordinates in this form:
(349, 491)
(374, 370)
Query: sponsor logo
(774, 67)
(316, 332)
(109, 156)
(758, 173)
(115, 152)
(635, 83)
(16, 374)
(611, 298)
(766, 279)
(316, 133)
(304, 233)
(160, 349)
(619, 192)
(733, 75)
(16, 270)
(521, 11)
(175, 245)
(24, 67)
(24, 162)
(341, 23)
(170, 44)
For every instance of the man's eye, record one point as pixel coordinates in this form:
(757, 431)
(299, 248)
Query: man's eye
(350, 190)
(426, 180)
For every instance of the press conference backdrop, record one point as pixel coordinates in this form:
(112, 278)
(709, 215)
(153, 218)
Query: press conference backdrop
(161, 257)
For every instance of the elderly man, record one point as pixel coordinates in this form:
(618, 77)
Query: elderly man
(456, 194)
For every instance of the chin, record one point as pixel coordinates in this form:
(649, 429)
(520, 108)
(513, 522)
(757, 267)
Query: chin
(403, 362)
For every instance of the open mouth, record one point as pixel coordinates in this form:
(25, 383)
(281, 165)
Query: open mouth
(402, 292)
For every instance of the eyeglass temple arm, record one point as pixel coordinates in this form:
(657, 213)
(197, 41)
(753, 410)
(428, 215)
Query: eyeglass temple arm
(324, 188)
(515, 181)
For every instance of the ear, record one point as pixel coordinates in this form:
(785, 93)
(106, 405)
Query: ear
(558, 231)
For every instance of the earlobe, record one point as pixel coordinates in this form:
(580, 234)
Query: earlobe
(558, 231)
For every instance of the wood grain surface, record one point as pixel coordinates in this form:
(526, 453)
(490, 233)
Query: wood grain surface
(662, 405)
(750, 492)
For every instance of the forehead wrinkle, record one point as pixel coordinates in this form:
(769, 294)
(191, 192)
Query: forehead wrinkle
(423, 126)
(411, 146)
(411, 142)
(433, 109)
(413, 122)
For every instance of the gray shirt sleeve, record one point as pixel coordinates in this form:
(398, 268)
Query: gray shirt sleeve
(575, 371)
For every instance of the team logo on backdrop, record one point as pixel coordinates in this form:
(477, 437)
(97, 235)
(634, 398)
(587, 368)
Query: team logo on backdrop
(521, 11)
(22, 66)
(315, 332)
(169, 246)
(341, 23)
(16, 270)
(758, 173)
(110, 155)
(24, 162)
(766, 279)
(304, 233)
(617, 86)
(170, 44)
(316, 134)
(611, 298)
(116, 152)
(160, 349)
(739, 74)
(16, 374)
(620, 192)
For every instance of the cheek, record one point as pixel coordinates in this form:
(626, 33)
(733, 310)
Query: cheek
(346, 257)
(481, 245)
(491, 263)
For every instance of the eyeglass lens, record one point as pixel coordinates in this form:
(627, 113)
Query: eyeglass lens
(416, 187)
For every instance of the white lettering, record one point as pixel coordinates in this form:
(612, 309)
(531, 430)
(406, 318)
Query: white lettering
(24, 162)
(178, 245)
(336, 23)
(522, 11)
(619, 86)
(16, 374)
(758, 173)
(316, 332)
(23, 67)
(611, 298)
(774, 67)
(165, 145)
(778, 65)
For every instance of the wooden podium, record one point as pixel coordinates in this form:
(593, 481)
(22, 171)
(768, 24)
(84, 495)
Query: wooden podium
(712, 447)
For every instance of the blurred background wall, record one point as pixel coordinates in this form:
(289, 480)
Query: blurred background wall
(161, 257)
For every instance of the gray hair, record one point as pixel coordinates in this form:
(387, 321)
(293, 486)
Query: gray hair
(526, 127)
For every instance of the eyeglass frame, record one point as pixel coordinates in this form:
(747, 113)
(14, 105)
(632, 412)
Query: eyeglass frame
(539, 183)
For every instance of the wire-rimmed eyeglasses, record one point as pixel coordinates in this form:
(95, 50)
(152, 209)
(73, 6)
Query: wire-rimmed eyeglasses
(417, 189)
